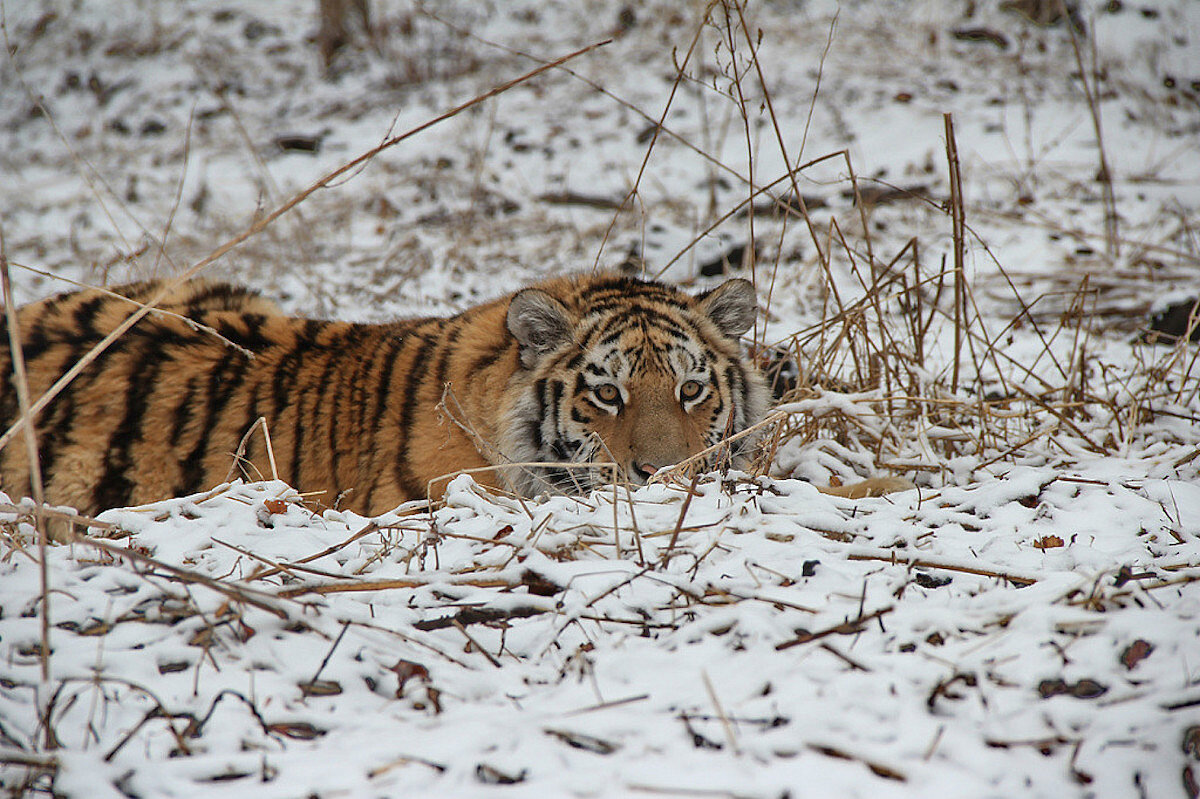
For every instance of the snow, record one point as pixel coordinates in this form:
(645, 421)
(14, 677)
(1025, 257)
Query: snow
(939, 686)
(1024, 622)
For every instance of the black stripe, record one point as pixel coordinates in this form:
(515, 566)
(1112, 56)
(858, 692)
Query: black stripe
(284, 376)
(612, 328)
(85, 316)
(366, 360)
(403, 470)
(349, 349)
(384, 387)
(115, 487)
(34, 341)
(54, 428)
(556, 394)
(493, 355)
(292, 477)
(449, 342)
(9, 406)
(382, 391)
(249, 334)
(312, 329)
(737, 386)
(183, 411)
(333, 355)
(58, 423)
(217, 297)
(539, 393)
(224, 380)
(658, 306)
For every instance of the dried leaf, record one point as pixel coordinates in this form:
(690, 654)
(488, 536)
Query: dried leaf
(930, 581)
(1191, 742)
(1191, 785)
(321, 688)
(405, 671)
(586, 742)
(1136, 652)
(1048, 542)
(1082, 689)
(300, 730)
(489, 775)
(538, 584)
(275, 505)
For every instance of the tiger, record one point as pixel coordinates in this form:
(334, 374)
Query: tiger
(555, 388)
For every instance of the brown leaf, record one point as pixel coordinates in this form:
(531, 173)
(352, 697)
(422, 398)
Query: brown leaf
(1083, 689)
(588, 743)
(1048, 542)
(300, 730)
(1136, 652)
(244, 631)
(490, 775)
(1191, 742)
(202, 637)
(435, 700)
(406, 670)
(538, 584)
(276, 505)
(321, 688)
(1088, 689)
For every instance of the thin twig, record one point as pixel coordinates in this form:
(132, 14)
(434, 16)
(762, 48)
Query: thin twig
(35, 472)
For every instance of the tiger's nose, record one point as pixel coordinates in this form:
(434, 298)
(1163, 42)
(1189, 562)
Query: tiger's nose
(644, 471)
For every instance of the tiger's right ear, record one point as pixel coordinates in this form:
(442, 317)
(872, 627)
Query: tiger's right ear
(731, 306)
(539, 323)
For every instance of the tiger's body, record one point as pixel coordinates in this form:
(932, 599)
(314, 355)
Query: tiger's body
(589, 370)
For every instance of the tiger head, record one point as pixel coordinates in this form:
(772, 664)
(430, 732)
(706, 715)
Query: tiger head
(625, 371)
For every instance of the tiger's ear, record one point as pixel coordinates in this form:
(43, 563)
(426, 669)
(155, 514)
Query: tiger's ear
(539, 323)
(731, 306)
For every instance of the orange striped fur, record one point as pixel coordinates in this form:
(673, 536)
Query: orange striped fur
(579, 369)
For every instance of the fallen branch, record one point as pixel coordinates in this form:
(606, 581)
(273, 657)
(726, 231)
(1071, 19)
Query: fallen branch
(934, 563)
(845, 628)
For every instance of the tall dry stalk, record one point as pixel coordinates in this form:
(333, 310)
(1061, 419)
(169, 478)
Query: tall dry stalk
(957, 215)
(1112, 238)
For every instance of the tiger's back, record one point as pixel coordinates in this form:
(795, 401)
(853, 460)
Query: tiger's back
(583, 369)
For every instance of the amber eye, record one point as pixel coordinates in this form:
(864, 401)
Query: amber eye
(607, 393)
(690, 390)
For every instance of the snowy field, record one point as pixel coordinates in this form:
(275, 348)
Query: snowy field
(1025, 622)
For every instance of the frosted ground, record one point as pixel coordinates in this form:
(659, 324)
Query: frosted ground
(1026, 622)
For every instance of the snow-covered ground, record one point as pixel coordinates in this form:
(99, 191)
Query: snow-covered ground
(1025, 623)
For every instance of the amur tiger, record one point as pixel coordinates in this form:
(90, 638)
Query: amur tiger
(587, 370)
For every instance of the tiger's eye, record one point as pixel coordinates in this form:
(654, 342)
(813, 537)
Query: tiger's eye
(608, 393)
(690, 390)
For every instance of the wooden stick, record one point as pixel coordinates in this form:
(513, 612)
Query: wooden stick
(35, 476)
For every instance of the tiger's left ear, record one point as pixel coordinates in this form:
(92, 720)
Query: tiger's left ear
(731, 306)
(539, 323)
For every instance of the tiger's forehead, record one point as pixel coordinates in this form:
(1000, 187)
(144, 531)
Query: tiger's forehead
(642, 338)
